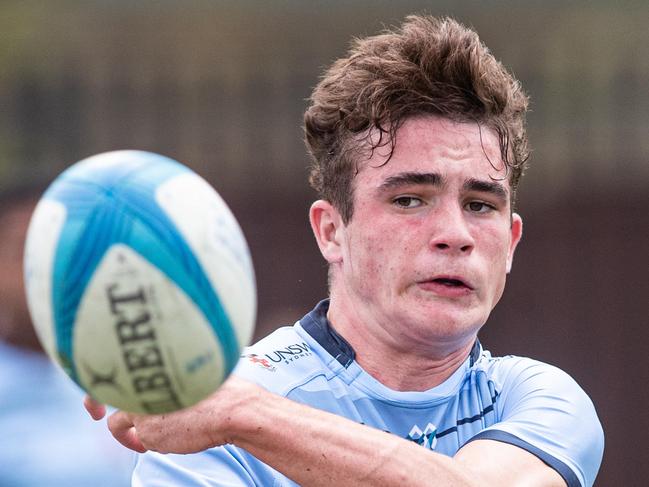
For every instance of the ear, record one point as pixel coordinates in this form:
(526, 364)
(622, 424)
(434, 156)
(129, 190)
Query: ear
(516, 234)
(327, 225)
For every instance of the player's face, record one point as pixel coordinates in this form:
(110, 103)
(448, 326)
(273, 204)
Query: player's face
(432, 235)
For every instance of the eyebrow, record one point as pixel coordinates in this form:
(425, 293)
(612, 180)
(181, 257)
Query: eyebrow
(408, 178)
(434, 179)
(491, 187)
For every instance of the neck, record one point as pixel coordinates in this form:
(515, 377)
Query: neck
(396, 361)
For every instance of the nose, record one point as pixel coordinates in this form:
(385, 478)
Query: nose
(450, 232)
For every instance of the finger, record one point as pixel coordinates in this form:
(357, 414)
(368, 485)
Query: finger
(121, 426)
(96, 410)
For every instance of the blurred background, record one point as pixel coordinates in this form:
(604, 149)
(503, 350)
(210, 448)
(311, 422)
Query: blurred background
(222, 85)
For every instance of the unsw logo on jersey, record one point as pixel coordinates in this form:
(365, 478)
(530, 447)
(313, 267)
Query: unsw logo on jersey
(293, 352)
(426, 438)
(289, 354)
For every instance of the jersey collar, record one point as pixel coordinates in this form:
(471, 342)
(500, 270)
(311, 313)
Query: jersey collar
(316, 324)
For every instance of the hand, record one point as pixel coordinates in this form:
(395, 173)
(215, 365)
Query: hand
(197, 428)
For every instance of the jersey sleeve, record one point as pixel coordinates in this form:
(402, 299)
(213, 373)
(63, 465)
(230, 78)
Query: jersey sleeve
(225, 466)
(206, 469)
(544, 411)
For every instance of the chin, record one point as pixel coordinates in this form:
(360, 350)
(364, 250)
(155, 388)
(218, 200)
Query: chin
(452, 323)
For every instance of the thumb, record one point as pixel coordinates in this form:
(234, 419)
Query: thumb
(121, 426)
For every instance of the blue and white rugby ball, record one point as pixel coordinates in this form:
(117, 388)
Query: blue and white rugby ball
(139, 281)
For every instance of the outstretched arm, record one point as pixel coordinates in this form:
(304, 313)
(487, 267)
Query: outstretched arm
(314, 447)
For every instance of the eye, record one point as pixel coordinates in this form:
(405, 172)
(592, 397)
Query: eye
(407, 202)
(479, 207)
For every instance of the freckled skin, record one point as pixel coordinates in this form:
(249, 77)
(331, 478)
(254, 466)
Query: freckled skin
(391, 247)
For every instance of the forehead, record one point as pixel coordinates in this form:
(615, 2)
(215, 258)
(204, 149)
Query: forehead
(435, 144)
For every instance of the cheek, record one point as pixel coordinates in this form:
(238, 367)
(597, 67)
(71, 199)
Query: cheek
(496, 252)
(367, 256)
(495, 241)
(377, 253)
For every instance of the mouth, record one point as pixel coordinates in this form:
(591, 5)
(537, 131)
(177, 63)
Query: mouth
(451, 282)
(447, 285)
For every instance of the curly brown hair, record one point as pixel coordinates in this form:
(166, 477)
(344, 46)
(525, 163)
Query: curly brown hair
(428, 65)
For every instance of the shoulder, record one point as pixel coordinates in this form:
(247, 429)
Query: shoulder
(542, 407)
(527, 385)
(279, 362)
(521, 376)
(513, 368)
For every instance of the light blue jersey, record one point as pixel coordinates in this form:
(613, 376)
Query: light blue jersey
(511, 399)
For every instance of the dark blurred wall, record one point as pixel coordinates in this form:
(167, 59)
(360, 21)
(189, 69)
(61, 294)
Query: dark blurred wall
(222, 86)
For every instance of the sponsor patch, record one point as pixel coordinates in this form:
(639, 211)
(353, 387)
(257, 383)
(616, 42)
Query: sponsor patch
(289, 354)
(426, 438)
(260, 361)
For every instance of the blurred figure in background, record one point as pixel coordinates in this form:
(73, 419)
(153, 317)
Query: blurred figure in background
(47, 439)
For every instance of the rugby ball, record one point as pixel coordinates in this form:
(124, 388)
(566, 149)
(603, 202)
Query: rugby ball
(139, 281)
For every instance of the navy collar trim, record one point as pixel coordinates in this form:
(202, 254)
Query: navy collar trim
(316, 324)
(476, 350)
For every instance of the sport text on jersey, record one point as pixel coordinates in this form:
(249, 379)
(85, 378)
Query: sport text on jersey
(286, 355)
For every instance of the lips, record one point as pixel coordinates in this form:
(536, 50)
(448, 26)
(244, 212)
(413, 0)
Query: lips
(452, 281)
(447, 285)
